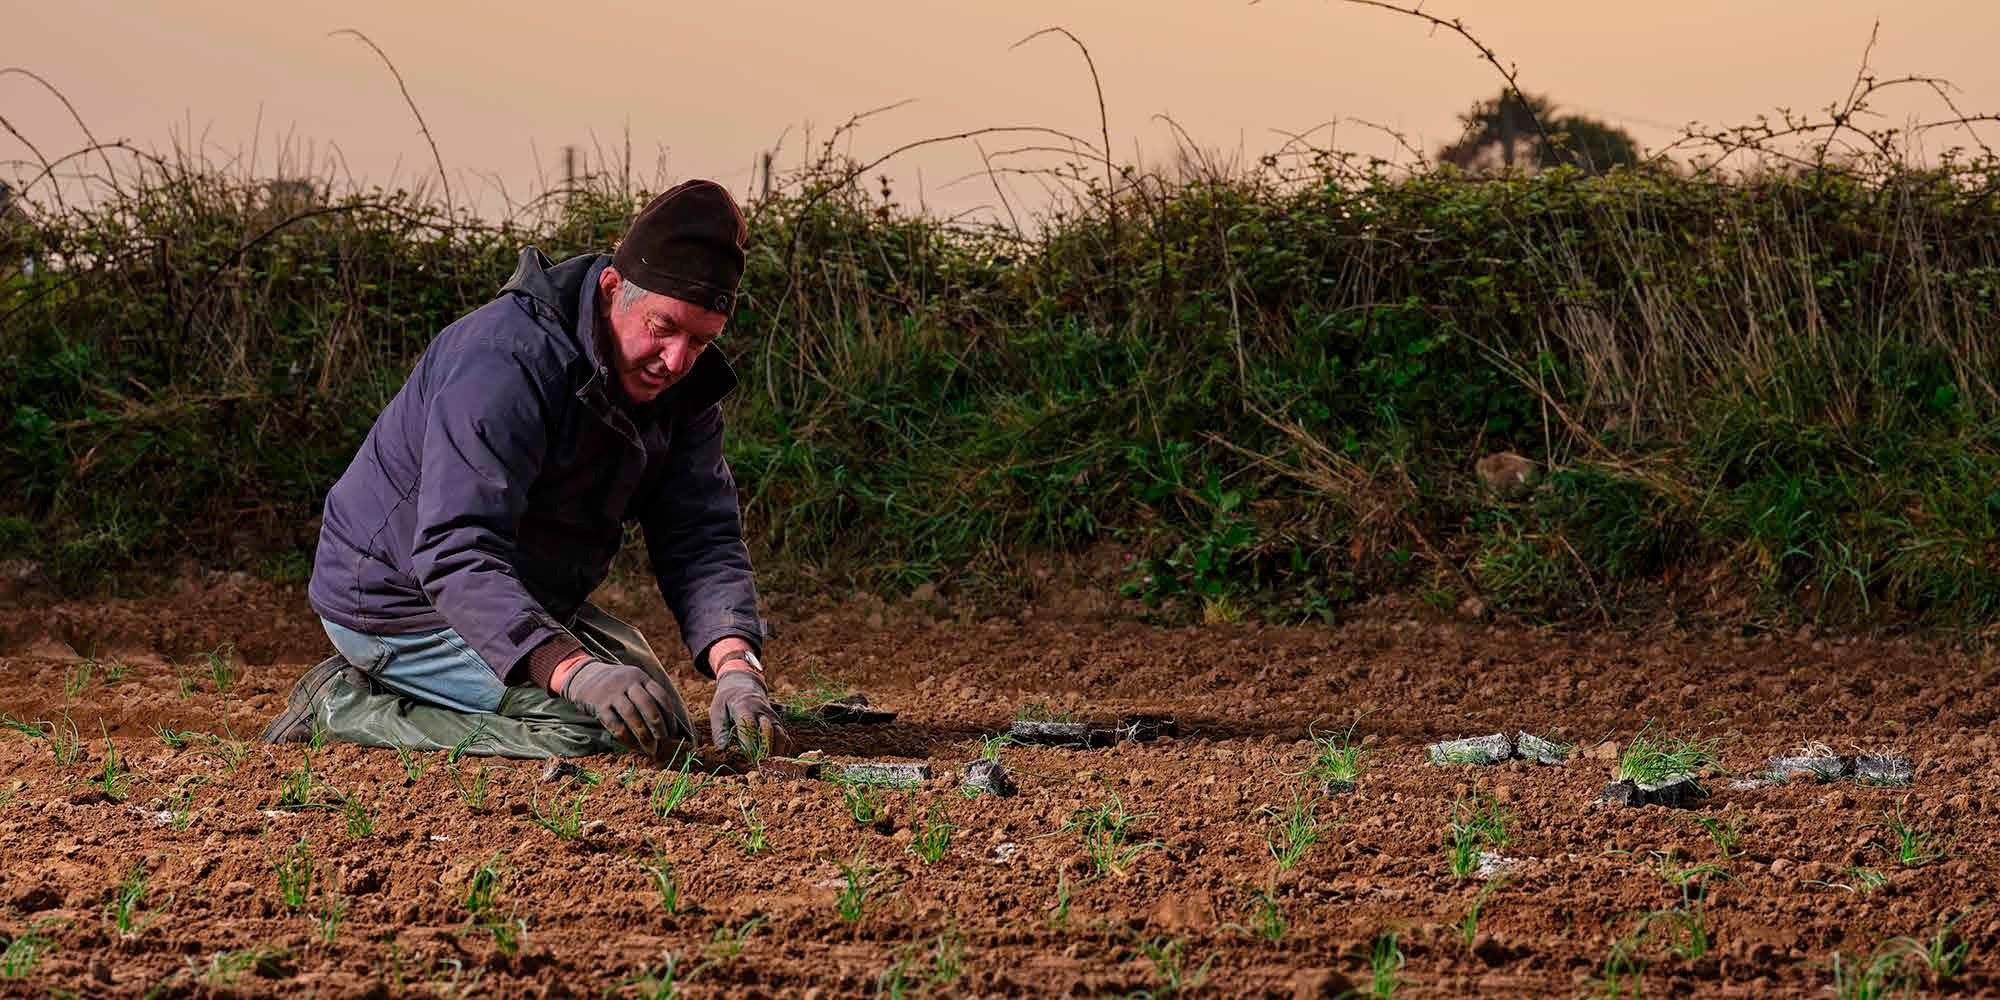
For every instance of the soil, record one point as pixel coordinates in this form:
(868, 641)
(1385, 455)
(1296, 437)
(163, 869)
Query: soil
(1577, 874)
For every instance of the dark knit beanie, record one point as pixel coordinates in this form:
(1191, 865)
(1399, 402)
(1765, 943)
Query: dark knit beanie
(687, 243)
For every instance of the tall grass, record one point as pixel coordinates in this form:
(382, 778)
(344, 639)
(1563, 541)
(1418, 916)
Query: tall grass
(1275, 379)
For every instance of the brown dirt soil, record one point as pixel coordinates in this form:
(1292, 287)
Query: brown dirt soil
(1777, 910)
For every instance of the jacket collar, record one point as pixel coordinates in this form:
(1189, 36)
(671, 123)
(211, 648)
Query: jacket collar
(569, 291)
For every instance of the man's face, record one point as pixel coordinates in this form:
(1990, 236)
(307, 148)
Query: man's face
(651, 343)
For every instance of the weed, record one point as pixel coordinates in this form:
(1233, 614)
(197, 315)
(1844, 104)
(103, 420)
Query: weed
(359, 823)
(226, 966)
(177, 740)
(126, 900)
(333, 910)
(465, 744)
(1336, 758)
(299, 789)
(474, 791)
(803, 705)
(413, 765)
(670, 794)
(565, 825)
(295, 875)
(1059, 912)
(1168, 966)
(1385, 966)
(1040, 711)
(79, 679)
(113, 776)
(1267, 919)
(947, 960)
(1468, 923)
(17, 960)
(628, 776)
(65, 744)
(221, 671)
(1912, 846)
(863, 802)
(894, 982)
(990, 747)
(1623, 972)
(727, 942)
(1652, 760)
(9, 724)
(755, 747)
(1862, 881)
(228, 751)
(1476, 824)
(1107, 832)
(184, 680)
(657, 984)
(853, 898)
(1726, 833)
(662, 873)
(1941, 957)
(180, 813)
(482, 897)
(115, 671)
(1877, 979)
(1296, 830)
(752, 837)
(930, 840)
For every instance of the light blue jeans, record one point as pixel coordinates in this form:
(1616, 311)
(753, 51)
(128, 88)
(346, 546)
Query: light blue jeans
(437, 668)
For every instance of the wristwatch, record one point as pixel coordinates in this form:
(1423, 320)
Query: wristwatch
(740, 654)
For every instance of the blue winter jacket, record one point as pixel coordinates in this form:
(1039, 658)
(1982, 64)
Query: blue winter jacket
(492, 492)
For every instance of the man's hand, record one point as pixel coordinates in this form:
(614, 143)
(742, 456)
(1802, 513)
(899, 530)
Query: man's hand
(742, 708)
(636, 708)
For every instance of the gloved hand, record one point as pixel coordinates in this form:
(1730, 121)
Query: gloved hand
(742, 706)
(630, 703)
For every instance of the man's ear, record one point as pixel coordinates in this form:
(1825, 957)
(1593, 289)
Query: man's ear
(608, 281)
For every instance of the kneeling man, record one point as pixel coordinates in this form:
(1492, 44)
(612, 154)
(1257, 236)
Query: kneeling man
(457, 553)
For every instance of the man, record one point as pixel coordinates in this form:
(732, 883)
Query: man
(457, 553)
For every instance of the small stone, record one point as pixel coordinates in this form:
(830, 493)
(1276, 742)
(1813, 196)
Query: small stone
(1003, 852)
(1492, 863)
(1480, 750)
(559, 769)
(1880, 770)
(1075, 735)
(988, 777)
(595, 827)
(1531, 747)
(1818, 768)
(1607, 750)
(892, 775)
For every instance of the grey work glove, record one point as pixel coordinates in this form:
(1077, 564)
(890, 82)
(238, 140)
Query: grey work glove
(634, 706)
(742, 706)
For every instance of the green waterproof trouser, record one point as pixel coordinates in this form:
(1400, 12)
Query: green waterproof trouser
(528, 723)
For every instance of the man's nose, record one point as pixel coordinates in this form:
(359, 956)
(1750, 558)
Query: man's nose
(677, 357)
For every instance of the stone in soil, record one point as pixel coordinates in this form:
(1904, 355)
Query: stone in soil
(1884, 770)
(1672, 793)
(989, 777)
(1481, 750)
(1493, 863)
(853, 710)
(892, 775)
(1820, 768)
(1531, 747)
(1050, 734)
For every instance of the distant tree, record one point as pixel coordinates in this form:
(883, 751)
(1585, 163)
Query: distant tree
(1504, 128)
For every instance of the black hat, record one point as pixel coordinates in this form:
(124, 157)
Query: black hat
(687, 243)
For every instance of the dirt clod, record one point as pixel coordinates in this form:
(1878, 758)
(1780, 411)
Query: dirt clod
(1484, 751)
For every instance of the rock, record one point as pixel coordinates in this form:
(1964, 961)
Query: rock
(1607, 750)
(893, 775)
(1528, 746)
(1819, 768)
(1003, 852)
(1075, 735)
(1493, 863)
(988, 777)
(1481, 750)
(1672, 793)
(559, 769)
(1473, 608)
(1508, 475)
(1878, 770)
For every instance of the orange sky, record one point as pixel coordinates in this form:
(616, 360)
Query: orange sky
(708, 86)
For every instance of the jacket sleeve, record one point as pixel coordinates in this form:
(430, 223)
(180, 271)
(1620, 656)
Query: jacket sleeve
(485, 436)
(694, 536)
